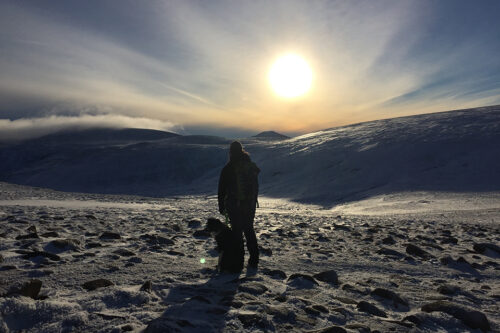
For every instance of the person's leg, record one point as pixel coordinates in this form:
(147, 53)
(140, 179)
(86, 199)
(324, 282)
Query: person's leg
(236, 221)
(252, 246)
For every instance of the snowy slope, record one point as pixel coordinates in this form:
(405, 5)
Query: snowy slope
(426, 270)
(450, 151)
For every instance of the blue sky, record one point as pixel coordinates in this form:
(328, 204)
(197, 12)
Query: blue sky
(201, 66)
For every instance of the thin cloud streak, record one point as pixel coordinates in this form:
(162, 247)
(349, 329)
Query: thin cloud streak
(22, 129)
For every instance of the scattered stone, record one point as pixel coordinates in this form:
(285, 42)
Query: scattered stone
(50, 234)
(110, 235)
(329, 329)
(32, 229)
(91, 217)
(7, 267)
(28, 289)
(253, 288)
(1, 258)
(471, 318)
(135, 260)
(91, 245)
(390, 252)
(390, 295)
(448, 289)
(28, 236)
(388, 240)
(449, 240)
(127, 328)
(147, 286)
(275, 273)
(124, 252)
(280, 312)
(341, 227)
(483, 247)
(61, 245)
(416, 251)
(250, 318)
(98, 283)
(320, 308)
(298, 280)
(154, 239)
(34, 254)
(371, 309)
(266, 251)
(329, 276)
(194, 223)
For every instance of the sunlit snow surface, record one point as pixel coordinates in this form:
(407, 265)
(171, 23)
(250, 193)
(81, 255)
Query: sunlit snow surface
(294, 238)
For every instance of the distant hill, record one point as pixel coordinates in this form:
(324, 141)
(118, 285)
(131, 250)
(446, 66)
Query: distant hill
(270, 136)
(454, 151)
(108, 135)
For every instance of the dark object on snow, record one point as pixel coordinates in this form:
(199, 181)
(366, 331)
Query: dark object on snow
(28, 289)
(482, 247)
(371, 309)
(110, 235)
(237, 196)
(147, 286)
(230, 258)
(471, 318)
(416, 251)
(99, 283)
(329, 276)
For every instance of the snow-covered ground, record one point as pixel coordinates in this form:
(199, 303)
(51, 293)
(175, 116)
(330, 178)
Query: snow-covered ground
(413, 261)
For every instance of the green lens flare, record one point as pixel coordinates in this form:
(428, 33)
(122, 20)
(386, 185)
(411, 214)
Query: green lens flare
(202, 260)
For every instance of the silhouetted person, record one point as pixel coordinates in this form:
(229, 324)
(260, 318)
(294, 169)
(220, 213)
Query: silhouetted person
(238, 191)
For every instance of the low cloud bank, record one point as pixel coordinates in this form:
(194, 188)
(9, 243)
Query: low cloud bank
(29, 128)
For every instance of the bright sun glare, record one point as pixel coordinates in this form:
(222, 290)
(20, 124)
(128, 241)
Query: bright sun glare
(290, 76)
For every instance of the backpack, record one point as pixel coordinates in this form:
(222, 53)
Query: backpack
(247, 183)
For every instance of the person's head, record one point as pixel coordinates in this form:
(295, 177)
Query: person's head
(236, 151)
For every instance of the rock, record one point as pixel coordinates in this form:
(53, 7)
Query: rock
(147, 286)
(371, 309)
(109, 235)
(1, 258)
(124, 252)
(275, 273)
(471, 318)
(329, 276)
(28, 289)
(127, 328)
(329, 329)
(61, 245)
(449, 240)
(483, 247)
(253, 288)
(448, 289)
(266, 251)
(90, 217)
(28, 236)
(390, 252)
(416, 251)
(250, 318)
(32, 229)
(154, 239)
(390, 295)
(280, 312)
(92, 245)
(7, 267)
(135, 260)
(50, 234)
(98, 283)
(388, 240)
(302, 281)
(341, 227)
(194, 223)
(35, 254)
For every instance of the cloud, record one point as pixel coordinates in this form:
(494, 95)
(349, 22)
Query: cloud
(29, 128)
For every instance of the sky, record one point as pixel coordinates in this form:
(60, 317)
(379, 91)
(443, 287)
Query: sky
(200, 67)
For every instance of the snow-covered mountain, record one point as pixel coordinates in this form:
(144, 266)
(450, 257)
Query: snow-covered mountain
(270, 136)
(448, 151)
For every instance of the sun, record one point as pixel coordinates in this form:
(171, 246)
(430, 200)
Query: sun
(290, 76)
